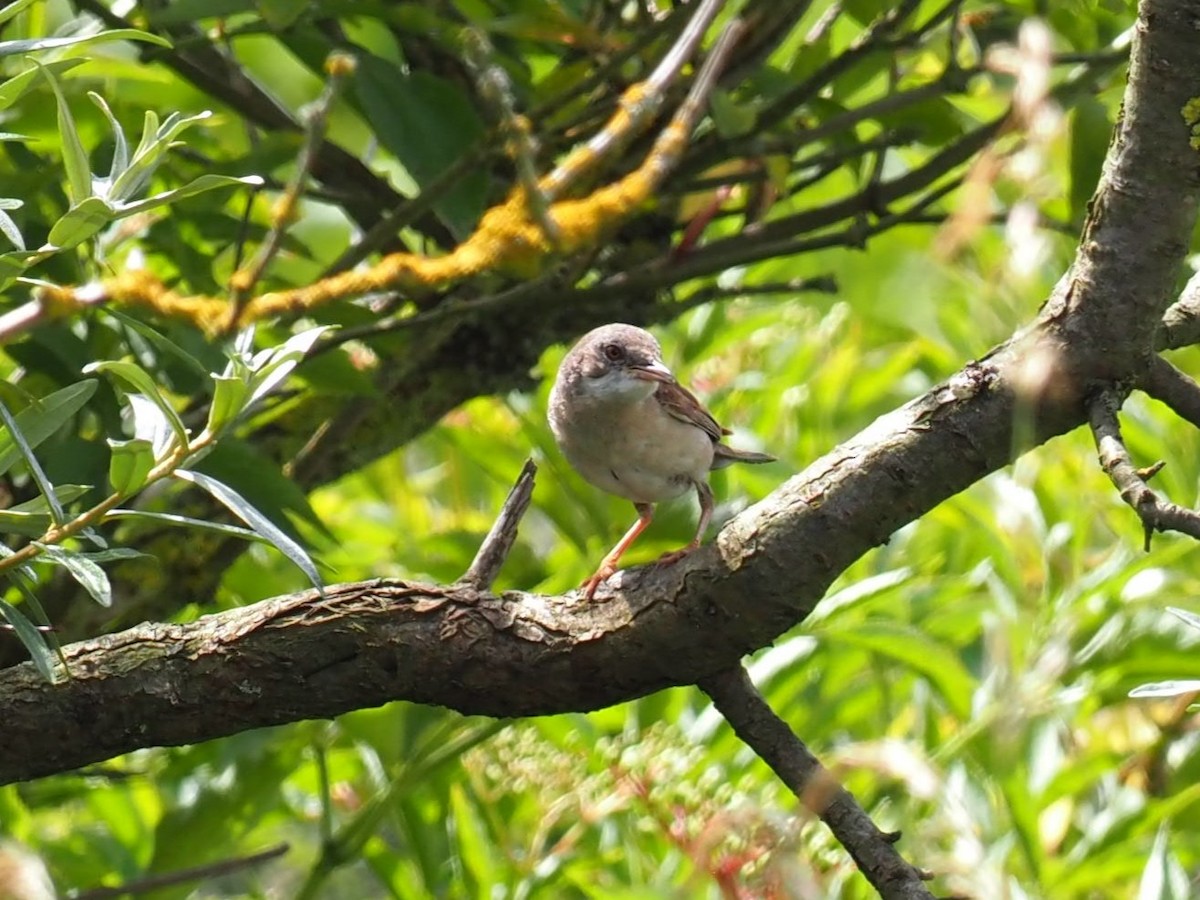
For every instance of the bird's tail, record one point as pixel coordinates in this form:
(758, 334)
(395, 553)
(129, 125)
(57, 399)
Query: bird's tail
(724, 456)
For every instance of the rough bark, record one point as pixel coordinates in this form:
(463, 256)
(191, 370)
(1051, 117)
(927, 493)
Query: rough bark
(305, 656)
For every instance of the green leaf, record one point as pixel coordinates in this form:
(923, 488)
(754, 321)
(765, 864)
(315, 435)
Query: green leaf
(1185, 616)
(187, 522)
(30, 524)
(13, 8)
(16, 48)
(229, 399)
(75, 158)
(32, 639)
(197, 186)
(120, 160)
(14, 88)
(271, 366)
(31, 518)
(82, 569)
(1171, 688)
(1163, 878)
(42, 418)
(10, 230)
(81, 222)
(237, 504)
(159, 340)
(131, 462)
(139, 379)
(427, 123)
(156, 141)
(918, 652)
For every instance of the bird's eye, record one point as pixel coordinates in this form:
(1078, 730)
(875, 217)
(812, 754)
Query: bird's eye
(613, 352)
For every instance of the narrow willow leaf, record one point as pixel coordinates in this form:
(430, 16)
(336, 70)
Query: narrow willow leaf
(131, 462)
(14, 48)
(32, 639)
(151, 149)
(159, 340)
(1183, 615)
(139, 379)
(120, 160)
(30, 524)
(150, 424)
(1171, 688)
(187, 522)
(82, 569)
(237, 504)
(273, 365)
(197, 186)
(10, 230)
(14, 88)
(13, 8)
(45, 488)
(32, 518)
(75, 158)
(229, 399)
(42, 418)
(64, 493)
(81, 222)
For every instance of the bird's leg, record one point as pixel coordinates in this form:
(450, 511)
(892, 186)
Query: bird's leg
(704, 492)
(608, 565)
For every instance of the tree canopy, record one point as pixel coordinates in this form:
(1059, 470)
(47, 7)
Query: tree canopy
(285, 287)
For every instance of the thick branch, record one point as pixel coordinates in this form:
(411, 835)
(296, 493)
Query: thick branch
(753, 720)
(1176, 389)
(364, 644)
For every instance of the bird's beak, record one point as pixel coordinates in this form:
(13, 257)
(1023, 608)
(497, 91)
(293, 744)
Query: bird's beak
(655, 371)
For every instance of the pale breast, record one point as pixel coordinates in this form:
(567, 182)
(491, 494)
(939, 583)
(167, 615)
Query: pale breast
(638, 451)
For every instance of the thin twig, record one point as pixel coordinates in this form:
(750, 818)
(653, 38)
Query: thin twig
(499, 541)
(182, 876)
(753, 720)
(338, 67)
(1155, 513)
(1181, 321)
(496, 89)
(641, 104)
(1177, 389)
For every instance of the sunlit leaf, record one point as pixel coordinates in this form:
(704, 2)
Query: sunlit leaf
(41, 419)
(131, 462)
(86, 572)
(31, 638)
(236, 504)
(75, 158)
(137, 378)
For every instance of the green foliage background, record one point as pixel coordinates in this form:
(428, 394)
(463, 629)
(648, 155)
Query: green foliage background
(968, 680)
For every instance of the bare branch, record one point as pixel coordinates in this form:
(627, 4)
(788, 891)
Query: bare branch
(1156, 514)
(1181, 322)
(1178, 390)
(753, 720)
(499, 541)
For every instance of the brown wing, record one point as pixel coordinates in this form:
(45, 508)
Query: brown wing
(683, 405)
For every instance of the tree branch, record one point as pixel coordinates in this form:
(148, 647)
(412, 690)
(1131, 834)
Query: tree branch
(1176, 389)
(1156, 513)
(753, 720)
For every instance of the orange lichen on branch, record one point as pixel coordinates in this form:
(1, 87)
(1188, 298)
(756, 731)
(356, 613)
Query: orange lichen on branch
(510, 238)
(507, 240)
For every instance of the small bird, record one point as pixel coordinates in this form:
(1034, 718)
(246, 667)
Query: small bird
(629, 428)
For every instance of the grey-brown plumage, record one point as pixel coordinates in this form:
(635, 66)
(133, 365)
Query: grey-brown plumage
(629, 428)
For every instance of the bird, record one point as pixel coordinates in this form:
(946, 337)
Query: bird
(630, 428)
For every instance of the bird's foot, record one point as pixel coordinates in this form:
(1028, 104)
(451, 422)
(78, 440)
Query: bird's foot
(602, 575)
(669, 559)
